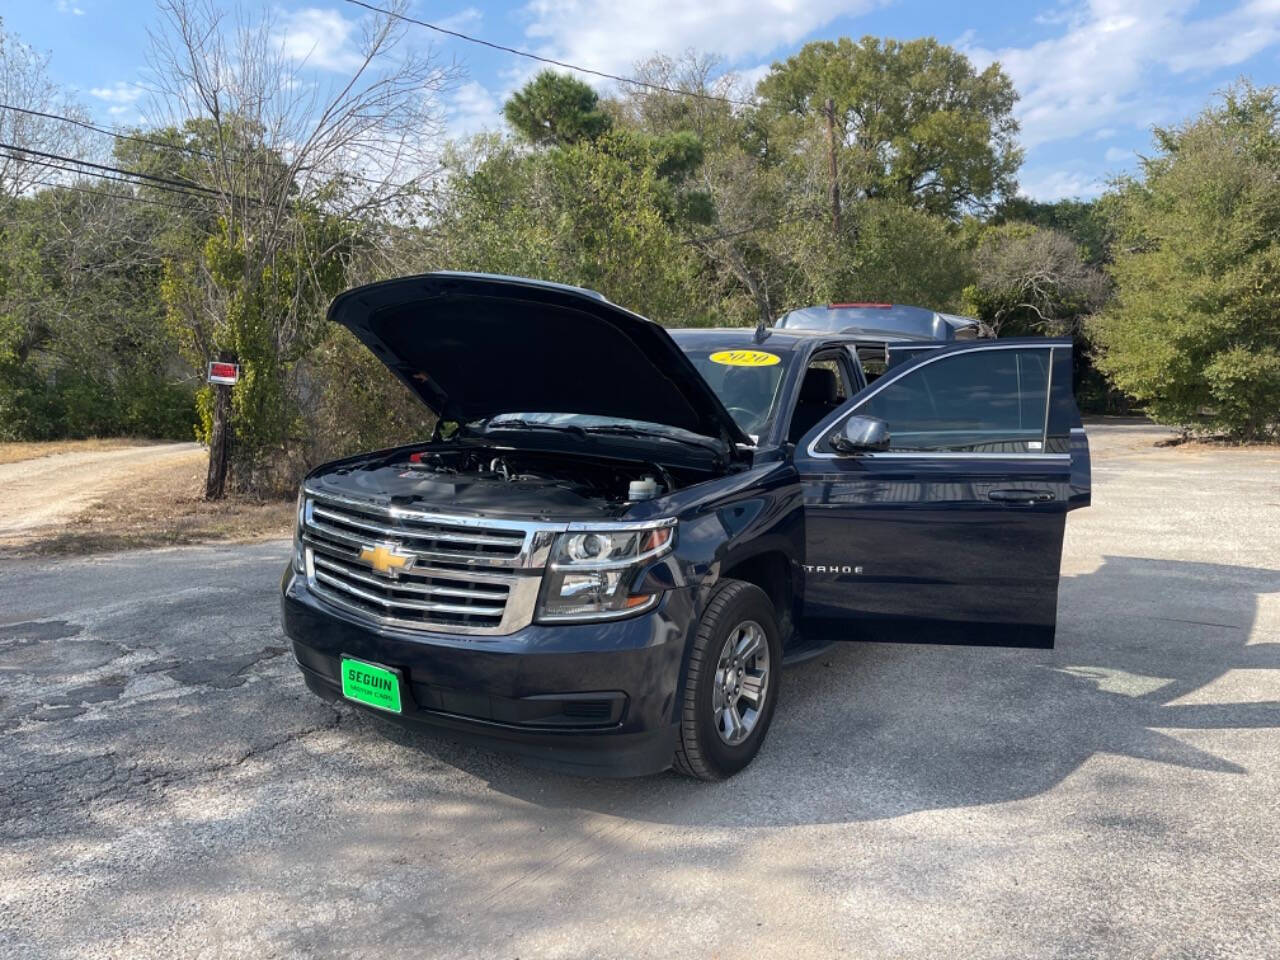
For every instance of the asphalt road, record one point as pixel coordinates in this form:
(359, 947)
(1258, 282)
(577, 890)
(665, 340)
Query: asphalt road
(168, 788)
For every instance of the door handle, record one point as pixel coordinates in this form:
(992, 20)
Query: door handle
(1020, 496)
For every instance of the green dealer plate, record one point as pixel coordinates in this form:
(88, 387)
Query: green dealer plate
(371, 684)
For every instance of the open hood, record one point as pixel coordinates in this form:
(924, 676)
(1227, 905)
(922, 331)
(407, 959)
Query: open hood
(475, 345)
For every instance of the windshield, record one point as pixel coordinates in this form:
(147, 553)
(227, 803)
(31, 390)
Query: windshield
(746, 381)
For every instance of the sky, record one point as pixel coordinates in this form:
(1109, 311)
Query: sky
(1093, 77)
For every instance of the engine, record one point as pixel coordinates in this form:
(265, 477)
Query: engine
(503, 482)
(589, 478)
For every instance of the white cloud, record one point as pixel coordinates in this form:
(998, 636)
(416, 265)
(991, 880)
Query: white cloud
(66, 6)
(467, 17)
(1060, 13)
(1229, 39)
(1118, 155)
(1042, 183)
(611, 36)
(319, 38)
(119, 93)
(1105, 67)
(473, 109)
(748, 77)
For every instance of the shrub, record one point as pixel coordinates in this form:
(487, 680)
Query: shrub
(1194, 328)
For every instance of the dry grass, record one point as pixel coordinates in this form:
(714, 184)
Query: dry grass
(14, 452)
(166, 509)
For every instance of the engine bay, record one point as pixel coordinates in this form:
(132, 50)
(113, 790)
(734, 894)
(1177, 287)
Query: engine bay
(588, 477)
(502, 480)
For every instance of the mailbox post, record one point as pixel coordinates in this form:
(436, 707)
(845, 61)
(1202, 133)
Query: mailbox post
(222, 374)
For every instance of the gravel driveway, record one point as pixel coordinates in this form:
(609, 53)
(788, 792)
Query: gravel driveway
(168, 788)
(41, 493)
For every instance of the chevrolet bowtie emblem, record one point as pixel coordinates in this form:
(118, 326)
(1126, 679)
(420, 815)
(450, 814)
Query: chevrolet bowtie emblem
(385, 560)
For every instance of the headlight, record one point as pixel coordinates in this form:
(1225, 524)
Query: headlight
(299, 561)
(592, 573)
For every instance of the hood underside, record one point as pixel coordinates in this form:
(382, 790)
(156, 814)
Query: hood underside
(472, 346)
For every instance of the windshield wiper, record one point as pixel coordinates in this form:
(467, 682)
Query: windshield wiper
(534, 425)
(611, 429)
(620, 430)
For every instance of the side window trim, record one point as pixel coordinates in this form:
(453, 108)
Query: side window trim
(841, 358)
(859, 382)
(892, 376)
(1048, 402)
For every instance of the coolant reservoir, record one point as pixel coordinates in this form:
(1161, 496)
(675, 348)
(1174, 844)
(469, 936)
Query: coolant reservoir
(645, 489)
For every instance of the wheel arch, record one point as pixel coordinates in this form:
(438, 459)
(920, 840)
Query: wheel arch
(775, 573)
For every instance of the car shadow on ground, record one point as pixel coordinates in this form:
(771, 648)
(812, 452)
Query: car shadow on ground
(872, 731)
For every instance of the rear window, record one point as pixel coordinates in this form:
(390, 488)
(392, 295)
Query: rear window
(897, 319)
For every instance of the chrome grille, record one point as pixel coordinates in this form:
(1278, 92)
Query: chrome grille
(460, 574)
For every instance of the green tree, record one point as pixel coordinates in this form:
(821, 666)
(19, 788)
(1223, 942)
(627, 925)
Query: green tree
(293, 178)
(915, 122)
(268, 318)
(83, 346)
(741, 185)
(597, 213)
(902, 255)
(767, 244)
(556, 109)
(1031, 281)
(1192, 330)
(1084, 221)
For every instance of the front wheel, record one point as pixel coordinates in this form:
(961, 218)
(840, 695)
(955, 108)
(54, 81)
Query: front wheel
(731, 683)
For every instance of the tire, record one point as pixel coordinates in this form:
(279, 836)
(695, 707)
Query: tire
(704, 749)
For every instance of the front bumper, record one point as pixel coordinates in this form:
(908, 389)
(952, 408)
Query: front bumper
(591, 699)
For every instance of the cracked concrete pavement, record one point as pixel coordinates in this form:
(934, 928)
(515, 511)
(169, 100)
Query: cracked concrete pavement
(168, 787)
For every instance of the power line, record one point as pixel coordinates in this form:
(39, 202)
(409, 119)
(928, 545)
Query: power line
(107, 176)
(151, 178)
(86, 125)
(131, 198)
(656, 87)
(168, 186)
(180, 147)
(185, 185)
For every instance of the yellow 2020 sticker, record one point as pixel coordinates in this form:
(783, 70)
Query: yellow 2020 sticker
(745, 358)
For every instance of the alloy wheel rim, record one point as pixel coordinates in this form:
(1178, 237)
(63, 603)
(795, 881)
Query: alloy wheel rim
(741, 682)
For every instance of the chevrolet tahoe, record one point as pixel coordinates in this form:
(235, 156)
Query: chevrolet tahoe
(617, 535)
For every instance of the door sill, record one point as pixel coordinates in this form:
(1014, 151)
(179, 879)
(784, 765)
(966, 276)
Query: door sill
(804, 650)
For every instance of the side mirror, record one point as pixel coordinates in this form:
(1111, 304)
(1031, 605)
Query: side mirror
(860, 435)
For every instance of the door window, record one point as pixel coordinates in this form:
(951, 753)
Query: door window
(873, 361)
(824, 390)
(980, 401)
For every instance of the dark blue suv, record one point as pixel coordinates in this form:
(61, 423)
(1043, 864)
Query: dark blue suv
(617, 535)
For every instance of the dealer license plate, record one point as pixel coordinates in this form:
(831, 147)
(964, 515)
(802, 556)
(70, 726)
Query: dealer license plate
(371, 684)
